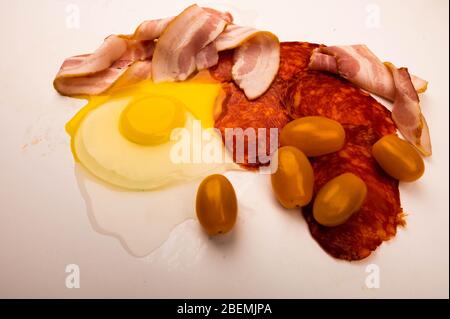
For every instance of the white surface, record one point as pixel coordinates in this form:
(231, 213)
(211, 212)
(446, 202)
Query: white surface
(43, 220)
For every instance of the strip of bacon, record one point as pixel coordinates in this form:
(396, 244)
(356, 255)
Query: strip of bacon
(256, 64)
(91, 84)
(151, 29)
(138, 50)
(207, 57)
(175, 54)
(228, 17)
(185, 43)
(323, 62)
(110, 51)
(138, 71)
(69, 82)
(256, 58)
(94, 73)
(420, 85)
(360, 66)
(234, 36)
(406, 111)
(101, 81)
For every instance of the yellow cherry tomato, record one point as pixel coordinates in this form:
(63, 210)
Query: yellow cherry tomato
(398, 158)
(293, 179)
(338, 199)
(216, 204)
(313, 135)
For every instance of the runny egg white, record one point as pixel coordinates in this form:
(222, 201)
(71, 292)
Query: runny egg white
(141, 221)
(125, 169)
(125, 138)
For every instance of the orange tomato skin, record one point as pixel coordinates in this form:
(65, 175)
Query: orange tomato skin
(338, 199)
(313, 135)
(216, 205)
(398, 158)
(293, 180)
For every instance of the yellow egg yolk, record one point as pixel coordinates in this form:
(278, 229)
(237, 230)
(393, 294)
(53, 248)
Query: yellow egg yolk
(200, 96)
(150, 120)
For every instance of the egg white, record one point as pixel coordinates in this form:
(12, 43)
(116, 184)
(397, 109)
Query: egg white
(106, 153)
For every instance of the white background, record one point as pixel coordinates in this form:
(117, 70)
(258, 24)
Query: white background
(43, 220)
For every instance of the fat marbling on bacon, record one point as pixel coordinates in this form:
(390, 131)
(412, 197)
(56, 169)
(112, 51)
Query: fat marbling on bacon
(175, 54)
(99, 82)
(256, 64)
(176, 47)
(256, 58)
(110, 51)
(150, 29)
(94, 73)
(406, 111)
(359, 65)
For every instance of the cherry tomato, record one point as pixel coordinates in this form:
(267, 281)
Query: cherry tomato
(338, 199)
(313, 135)
(293, 179)
(216, 204)
(398, 158)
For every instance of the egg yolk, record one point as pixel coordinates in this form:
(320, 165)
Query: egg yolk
(150, 120)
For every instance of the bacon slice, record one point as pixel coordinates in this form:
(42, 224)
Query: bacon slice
(94, 73)
(207, 57)
(256, 64)
(110, 51)
(138, 50)
(233, 36)
(360, 66)
(256, 57)
(323, 62)
(78, 75)
(175, 53)
(90, 84)
(151, 29)
(228, 17)
(420, 85)
(406, 111)
(186, 43)
(121, 71)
